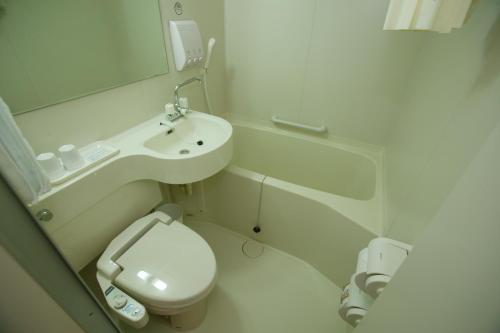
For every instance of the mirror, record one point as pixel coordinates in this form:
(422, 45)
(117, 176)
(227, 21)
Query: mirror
(55, 50)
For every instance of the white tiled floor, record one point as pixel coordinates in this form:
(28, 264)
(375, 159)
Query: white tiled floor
(272, 293)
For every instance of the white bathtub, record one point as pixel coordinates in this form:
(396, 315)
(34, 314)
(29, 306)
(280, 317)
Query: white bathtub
(313, 198)
(316, 164)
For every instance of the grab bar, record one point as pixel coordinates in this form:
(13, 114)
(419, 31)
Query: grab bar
(319, 129)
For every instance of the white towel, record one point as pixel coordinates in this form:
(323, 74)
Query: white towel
(18, 163)
(431, 15)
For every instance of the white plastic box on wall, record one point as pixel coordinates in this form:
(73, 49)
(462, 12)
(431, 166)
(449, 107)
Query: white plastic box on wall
(186, 42)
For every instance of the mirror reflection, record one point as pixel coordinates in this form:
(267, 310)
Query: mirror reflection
(56, 50)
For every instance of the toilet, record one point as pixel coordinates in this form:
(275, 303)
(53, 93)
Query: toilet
(159, 266)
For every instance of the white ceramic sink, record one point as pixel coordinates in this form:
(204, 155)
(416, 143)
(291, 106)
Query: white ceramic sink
(194, 135)
(199, 146)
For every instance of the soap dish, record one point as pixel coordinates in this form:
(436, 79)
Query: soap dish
(92, 154)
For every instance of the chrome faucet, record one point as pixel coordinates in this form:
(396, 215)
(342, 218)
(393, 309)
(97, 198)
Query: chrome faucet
(179, 109)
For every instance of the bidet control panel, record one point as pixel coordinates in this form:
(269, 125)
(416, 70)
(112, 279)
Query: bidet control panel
(186, 44)
(126, 307)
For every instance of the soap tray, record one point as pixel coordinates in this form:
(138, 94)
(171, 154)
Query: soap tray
(92, 154)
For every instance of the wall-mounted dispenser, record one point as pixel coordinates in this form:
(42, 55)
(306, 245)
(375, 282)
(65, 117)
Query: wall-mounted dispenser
(186, 44)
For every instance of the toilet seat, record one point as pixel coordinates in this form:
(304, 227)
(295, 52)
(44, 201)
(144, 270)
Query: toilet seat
(160, 263)
(168, 267)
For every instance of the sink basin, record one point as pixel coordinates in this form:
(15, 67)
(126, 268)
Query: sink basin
(199, 146)
(194, 135)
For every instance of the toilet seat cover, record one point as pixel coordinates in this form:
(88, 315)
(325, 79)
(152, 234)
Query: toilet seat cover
(170, 266)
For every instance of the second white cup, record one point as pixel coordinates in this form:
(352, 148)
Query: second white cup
(71, 157)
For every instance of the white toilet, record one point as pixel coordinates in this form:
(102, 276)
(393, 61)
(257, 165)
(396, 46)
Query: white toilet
(160, 266)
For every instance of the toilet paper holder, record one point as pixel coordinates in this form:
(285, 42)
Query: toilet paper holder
(375, 267)
(378, 263)
(385, 256)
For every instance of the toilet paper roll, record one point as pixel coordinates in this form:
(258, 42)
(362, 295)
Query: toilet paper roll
(344, 298)
(375, 284)
(354, 303)
(354, 316)
(357, 297)
(361, 267)
(345, 293)
(71, 157)
(51, 165)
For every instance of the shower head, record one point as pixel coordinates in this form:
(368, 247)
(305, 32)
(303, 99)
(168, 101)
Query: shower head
(211, 44)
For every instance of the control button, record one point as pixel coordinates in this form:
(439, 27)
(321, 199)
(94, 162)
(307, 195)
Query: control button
(119, 301)
(200, 59)
(189, 61)
(195, 60)
(136, 312)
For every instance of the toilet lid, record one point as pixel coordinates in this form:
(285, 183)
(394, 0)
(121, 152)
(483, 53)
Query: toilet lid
(170, 266)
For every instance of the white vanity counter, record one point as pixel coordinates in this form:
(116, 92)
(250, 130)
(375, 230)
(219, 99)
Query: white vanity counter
(199, 146)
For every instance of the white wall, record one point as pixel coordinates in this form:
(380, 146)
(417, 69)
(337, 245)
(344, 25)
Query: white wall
(449, 283)
(105, 114)
(449, 109)
(318, 62)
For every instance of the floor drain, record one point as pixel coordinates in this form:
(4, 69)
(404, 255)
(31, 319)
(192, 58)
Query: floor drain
(252, 249)
(184, 151)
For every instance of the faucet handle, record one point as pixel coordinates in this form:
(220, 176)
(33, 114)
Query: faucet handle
(170, 112)
(183, 102)
(169, 108)
(183, 105)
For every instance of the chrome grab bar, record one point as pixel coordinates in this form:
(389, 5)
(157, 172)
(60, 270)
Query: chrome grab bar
(318, 129)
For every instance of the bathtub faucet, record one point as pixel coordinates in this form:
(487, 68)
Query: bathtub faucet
(179, 109)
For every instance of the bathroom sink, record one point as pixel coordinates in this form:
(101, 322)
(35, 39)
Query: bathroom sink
(197, 147)
(193, 135)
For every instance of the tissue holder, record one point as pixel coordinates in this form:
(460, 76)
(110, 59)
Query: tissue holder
(384, 257)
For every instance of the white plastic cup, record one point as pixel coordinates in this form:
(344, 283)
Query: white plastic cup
(71, 157)
(51, 165)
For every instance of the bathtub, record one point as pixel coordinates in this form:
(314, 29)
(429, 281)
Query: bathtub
(313, 198)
